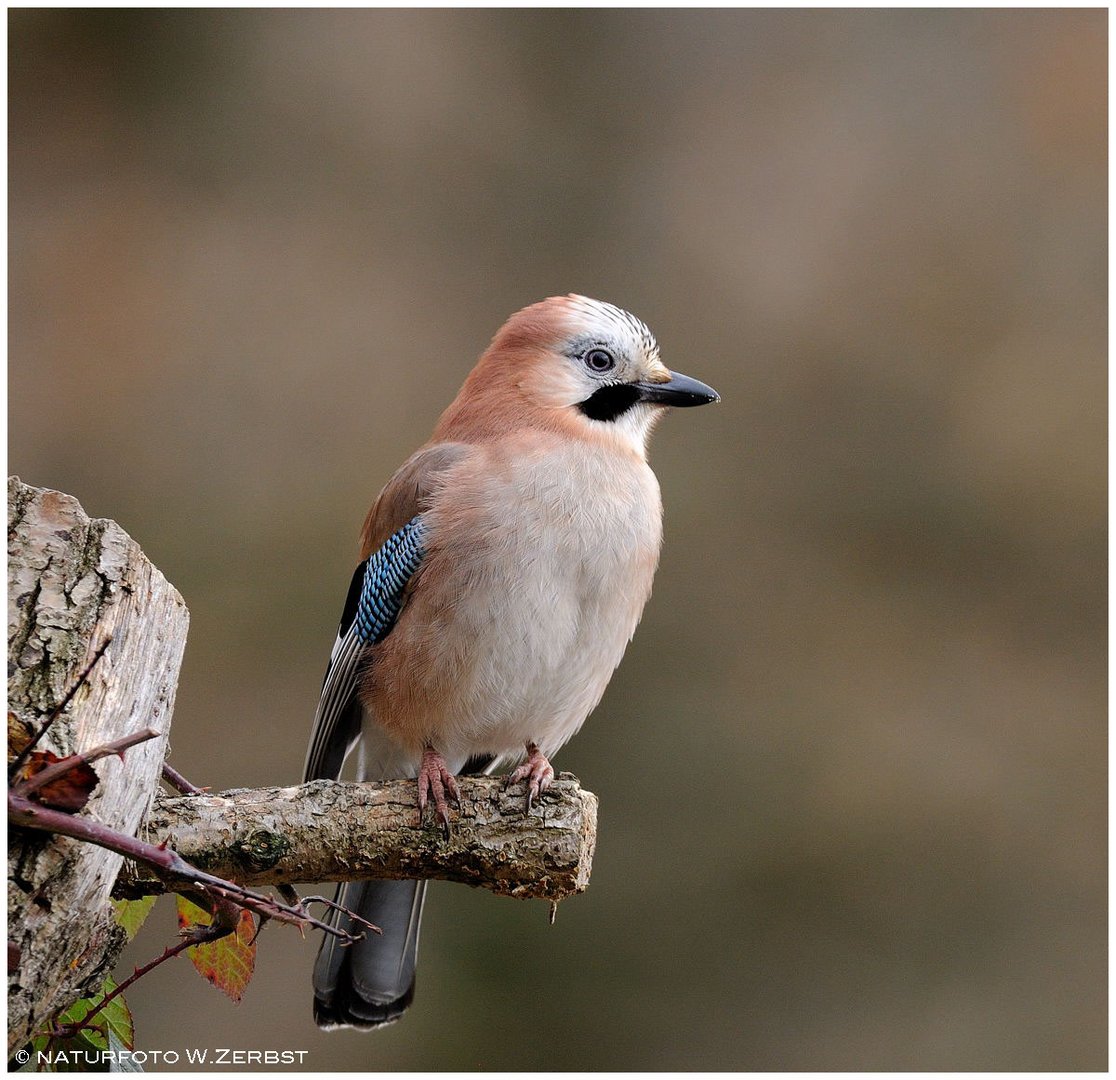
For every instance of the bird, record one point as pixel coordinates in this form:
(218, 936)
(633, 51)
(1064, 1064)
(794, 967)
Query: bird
(503, 570)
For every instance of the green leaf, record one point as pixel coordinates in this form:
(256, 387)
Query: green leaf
(131, 913)
(112, 1028)
(70, 1055)
(88, 1038)
(116, 1018)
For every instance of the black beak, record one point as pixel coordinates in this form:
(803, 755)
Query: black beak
(680, 391)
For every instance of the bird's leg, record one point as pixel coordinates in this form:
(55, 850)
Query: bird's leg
(435, 779)
(536, 770)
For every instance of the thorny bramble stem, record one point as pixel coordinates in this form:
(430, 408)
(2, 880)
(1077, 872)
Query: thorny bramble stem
(25, 813)
(179, 782)
(52, 772)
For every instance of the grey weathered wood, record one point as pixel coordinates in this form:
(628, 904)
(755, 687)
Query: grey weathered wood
(72, 583)
(328, 831)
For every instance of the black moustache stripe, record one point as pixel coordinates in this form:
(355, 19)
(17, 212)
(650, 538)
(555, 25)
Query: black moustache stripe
(609, 402)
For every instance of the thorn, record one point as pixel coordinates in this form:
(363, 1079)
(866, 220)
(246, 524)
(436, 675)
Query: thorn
(553, 911)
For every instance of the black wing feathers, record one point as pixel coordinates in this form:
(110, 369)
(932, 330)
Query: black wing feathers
(372, 605)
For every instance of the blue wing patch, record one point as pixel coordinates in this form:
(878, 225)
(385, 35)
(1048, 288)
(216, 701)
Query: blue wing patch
(377, 596)
(385, 577)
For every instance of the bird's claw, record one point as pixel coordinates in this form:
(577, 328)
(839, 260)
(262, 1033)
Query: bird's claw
(536, 770)
(434, 781)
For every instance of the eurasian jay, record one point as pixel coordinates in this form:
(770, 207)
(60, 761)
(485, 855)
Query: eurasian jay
(504, 569)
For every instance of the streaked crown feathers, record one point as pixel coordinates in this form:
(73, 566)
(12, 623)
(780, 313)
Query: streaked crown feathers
(554, 319)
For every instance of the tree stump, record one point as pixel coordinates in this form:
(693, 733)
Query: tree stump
(73, 584)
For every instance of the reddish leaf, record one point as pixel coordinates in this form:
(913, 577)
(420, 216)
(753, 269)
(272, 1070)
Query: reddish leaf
(228, 962)
(71, 791)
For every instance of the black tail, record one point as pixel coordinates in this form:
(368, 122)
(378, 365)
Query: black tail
(370, 983)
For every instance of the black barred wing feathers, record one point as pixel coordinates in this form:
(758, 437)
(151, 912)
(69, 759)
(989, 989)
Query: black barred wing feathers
(371, 608)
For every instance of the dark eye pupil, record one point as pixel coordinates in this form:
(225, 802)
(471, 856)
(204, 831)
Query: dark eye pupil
(599, 360)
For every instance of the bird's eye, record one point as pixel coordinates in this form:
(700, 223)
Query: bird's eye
(599, 360)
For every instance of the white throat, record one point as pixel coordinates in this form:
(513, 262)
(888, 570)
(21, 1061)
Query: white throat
(631, 429)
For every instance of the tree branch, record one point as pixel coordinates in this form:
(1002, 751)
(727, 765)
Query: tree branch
(330, 831)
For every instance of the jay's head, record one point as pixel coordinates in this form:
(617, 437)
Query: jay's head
(583, 366)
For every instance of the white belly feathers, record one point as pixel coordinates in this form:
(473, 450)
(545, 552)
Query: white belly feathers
(535, 584)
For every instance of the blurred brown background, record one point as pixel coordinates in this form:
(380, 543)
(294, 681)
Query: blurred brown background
(852, 771)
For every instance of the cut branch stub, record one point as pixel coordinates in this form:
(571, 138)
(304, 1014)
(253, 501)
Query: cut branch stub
(328, 831)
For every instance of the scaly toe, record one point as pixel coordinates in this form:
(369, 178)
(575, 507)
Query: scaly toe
(537, 771)
(520, 772)
(434, 780)
(451, 786)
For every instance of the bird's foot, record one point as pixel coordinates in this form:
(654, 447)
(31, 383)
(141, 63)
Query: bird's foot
(536, 770)
(434, 782)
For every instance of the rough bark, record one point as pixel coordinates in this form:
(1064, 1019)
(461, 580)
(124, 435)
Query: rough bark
(74, 583)
(328, 831)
